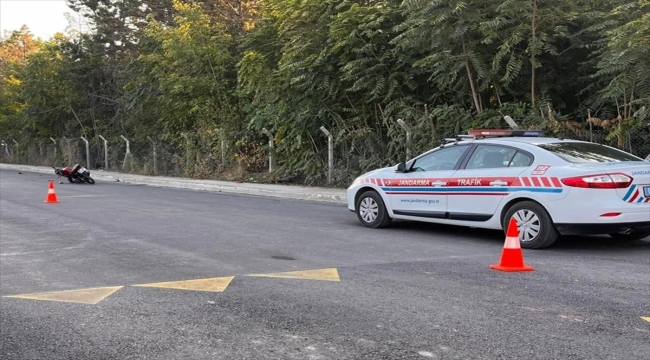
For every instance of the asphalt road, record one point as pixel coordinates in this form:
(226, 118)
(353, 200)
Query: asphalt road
(412, 291)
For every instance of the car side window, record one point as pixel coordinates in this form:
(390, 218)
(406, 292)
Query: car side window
(521, 159)
(443, 159)
(491, 157)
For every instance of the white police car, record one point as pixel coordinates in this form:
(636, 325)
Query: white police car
(551, 186)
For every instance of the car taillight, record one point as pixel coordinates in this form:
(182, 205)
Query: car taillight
(601, 181)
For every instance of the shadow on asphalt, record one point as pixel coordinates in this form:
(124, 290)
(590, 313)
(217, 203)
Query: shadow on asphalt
(496, 237)
(600, 243)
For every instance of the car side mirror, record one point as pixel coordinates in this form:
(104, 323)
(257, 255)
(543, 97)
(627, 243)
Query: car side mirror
(400, 168)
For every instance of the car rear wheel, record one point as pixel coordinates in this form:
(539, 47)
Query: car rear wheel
(637, 235)
(536, 229)
(371, 210)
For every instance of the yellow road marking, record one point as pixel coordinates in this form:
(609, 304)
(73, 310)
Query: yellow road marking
(90, 296)
(330, 274)
(211, 284)
(646, 318)
(95, 295)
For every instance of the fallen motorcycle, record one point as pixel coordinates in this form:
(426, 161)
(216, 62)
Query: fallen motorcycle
(75, 174)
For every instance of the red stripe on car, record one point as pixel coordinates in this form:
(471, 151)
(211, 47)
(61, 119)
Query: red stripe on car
(556, 182)
(546, 182)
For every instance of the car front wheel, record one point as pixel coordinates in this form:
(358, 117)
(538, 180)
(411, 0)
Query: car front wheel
(371, 210)
(536, 229)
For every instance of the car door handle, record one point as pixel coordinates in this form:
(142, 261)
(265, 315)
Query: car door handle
(499, 183)
(439, 183)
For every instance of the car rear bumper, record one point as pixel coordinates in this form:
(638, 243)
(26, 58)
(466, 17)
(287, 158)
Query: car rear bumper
(601, 228)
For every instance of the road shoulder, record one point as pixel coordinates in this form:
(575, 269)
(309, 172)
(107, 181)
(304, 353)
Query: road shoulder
(330, 195)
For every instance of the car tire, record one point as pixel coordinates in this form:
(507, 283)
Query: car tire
(538, 230)
(633, 236)
(371, 210)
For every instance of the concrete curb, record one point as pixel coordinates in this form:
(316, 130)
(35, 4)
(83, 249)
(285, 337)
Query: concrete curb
(337, 196)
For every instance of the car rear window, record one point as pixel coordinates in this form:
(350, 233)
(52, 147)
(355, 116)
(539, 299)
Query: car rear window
(579, 152)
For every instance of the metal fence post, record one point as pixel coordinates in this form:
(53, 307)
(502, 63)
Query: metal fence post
(268, 133)
(591, 126)
(105, 152)
(55, 150)
(222, 136)
(330, 154)
(3, 143)
(408, 137)
(155, 161)
(87, 152)
(128, 151)
(223, 151)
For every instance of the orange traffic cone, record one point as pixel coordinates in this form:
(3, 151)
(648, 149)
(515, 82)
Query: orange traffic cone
(51, 195)
(512, 258)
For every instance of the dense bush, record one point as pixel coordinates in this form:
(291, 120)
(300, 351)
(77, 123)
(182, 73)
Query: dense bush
(187, 75)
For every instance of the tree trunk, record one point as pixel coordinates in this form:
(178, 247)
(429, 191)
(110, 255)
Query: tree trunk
(532, 56)
(471, 80)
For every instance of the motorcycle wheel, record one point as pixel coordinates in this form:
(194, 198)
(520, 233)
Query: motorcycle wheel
(90, 180)
(70, 180)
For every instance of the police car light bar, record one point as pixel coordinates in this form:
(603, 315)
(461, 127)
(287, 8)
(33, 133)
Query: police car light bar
(504, 132)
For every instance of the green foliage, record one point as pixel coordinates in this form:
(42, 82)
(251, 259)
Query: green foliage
(625, 62)
(186, 76)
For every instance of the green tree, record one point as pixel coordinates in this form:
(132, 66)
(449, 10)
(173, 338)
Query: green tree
(15, 49)
(49, 97)
(625, 66)
(526, 33)
(443, 39)
(185, 79)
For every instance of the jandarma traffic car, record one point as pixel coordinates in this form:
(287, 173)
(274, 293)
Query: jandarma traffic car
(550, 186)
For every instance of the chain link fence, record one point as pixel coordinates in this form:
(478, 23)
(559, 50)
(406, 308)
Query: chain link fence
(245, 156)
(636, 142)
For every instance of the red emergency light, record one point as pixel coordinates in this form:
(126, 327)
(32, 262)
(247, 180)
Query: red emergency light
(505, 132)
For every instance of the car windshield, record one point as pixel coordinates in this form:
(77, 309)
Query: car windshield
(579, 152)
